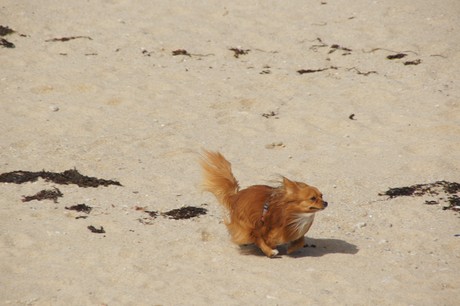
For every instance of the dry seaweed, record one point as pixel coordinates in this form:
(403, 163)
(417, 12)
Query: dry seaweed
(414, 62)
(392, 51)
(176, 214)
(332, 48)
(67, 38)
(6, 44)
(321, 45)
(80, 208)
(362, 73)
(423, 189)
(147, 220)
(67, 177)
(5, 30)
(270, 114)
(146, 53)
(96, 230)
(152, 213)
(396, 56)
(185, 212)
(454, 203)
(303, 71)
(399, 191)
(451, 187)
(47, 194)
(180, 52)
(238, 52)
(431, 189)
(336, 47)
(352, 117)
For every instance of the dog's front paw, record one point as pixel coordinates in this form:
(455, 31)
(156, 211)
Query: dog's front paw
(273, 253)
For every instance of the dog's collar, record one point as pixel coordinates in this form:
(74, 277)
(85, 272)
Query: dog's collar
(264, 212)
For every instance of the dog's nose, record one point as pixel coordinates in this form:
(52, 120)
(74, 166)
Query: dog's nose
(325, 204)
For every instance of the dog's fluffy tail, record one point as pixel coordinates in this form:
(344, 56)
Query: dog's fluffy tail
(218, 177)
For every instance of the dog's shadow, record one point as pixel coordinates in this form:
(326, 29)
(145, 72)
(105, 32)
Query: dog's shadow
(313, 248)
(321, 247)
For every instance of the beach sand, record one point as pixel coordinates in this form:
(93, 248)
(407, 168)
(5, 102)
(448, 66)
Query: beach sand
(132, 91)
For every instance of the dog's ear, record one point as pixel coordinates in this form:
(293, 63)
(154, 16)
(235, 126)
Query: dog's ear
(289, 186)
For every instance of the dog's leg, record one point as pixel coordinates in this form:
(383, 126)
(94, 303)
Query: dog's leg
(270, 252)
(295, 245)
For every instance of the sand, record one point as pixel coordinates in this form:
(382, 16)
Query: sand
(112, 101)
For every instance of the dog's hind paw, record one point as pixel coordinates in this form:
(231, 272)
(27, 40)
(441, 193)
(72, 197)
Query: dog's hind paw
(274, 252)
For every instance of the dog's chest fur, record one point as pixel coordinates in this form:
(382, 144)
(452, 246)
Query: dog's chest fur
(301, 222)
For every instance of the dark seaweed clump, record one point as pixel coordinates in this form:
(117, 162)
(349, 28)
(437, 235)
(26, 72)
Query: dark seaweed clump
(47, 194)
(80, 208)
(6, 44)
(433, 189)
(396, 56)
(67, 177)
(180, 52)
(185, 212)
(399, 191)
(5, 30)
(96, 230)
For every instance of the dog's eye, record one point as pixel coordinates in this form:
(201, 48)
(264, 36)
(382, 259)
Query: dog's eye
(313, 199)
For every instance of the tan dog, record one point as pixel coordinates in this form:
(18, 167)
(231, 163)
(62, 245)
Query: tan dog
(260, 214)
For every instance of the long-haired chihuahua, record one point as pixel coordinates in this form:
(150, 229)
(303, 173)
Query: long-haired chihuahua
(263, 215)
